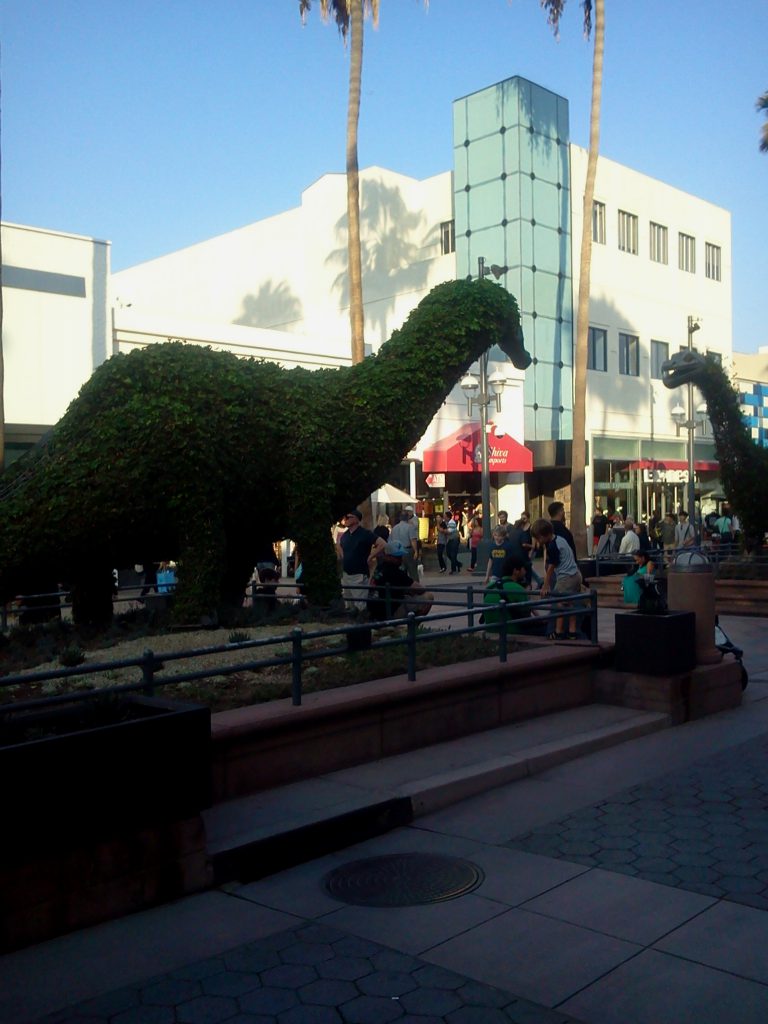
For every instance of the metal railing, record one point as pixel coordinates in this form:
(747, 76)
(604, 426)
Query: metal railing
(728, 556)
(150, 664)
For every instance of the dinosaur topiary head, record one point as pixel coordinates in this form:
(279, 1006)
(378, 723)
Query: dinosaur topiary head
(685, 367)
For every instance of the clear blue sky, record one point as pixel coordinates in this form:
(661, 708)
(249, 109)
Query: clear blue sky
(159, 124)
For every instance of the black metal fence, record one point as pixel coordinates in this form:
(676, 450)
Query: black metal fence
(512, 620)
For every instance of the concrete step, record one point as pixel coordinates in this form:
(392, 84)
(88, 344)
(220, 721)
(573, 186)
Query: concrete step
(267, 832)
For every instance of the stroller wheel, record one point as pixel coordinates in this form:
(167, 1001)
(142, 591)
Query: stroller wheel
(744, 677)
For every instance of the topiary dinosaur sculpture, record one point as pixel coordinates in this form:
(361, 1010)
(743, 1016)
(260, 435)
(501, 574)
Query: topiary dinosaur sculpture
(178, 451)
(743, 464)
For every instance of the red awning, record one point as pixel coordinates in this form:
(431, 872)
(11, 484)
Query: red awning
(702, 465)
(460, 453)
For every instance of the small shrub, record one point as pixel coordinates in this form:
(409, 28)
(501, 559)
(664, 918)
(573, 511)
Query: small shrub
(72, 655)
(237, 636)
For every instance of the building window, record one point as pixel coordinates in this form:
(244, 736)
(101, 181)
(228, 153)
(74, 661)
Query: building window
(687, 253)
(628, 232)
(712, 261)
(448, 236)
(597, 349)
(659, 355)
(629, 355)
(716, 356)
(598, 223)
(658, 243)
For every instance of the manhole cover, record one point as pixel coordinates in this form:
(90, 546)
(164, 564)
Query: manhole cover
(402, 880)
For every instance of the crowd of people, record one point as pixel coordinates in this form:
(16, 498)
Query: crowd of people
(381, 569)
(616, 534)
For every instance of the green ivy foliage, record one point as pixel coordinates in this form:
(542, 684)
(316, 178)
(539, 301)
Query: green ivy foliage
(181, 452)
(743, 464)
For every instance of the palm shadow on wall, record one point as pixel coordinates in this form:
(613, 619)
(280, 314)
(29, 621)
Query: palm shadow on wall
(393, 238)
(273, 306)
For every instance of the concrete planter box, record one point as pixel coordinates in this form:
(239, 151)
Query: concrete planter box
(656, 645)
(89, 771)
(101, 814)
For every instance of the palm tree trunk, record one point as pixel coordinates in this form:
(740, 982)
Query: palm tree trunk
(578, 457)
(356, 319)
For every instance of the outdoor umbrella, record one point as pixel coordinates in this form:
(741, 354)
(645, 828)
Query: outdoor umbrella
(388, 494)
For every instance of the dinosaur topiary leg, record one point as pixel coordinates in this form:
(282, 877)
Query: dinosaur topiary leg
(312, 533)
(202, 561)
(92, 596)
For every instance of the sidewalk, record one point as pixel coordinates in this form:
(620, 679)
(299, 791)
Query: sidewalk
(615, 880)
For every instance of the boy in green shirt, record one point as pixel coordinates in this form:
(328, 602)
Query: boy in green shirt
(510, 588)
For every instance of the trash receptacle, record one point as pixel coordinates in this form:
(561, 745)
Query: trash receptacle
(691, 588)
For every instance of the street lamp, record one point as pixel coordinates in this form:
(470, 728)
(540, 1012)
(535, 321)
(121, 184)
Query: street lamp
(689, 423)
(477, 393)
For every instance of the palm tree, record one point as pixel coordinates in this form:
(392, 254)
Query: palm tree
(578, 516)
(349, 16)
(762, 105)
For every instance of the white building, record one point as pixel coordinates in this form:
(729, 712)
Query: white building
(55, 325)
(277, 288)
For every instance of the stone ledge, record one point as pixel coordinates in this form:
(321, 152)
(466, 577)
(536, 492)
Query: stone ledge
(270, 745)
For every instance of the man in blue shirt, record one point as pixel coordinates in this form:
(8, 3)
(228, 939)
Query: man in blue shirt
(357, 548)
(562, 573)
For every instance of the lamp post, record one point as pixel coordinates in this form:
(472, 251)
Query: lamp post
(679, 416)
(477, 393)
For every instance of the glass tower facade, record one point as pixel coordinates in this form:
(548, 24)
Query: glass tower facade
(512, 202)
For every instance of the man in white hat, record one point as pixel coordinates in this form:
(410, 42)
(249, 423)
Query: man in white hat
(406, 533)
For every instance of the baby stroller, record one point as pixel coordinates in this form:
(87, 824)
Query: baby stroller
(724, 644)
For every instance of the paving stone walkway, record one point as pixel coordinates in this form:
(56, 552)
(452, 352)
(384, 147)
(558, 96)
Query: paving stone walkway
(704, 829)
(310, 975)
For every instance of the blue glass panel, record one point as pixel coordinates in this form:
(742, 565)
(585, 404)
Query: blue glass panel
(550, 291)
(547, 207)
(546, 159)
(485, 159)
(566, 423)
(518, 154)
(486, 206)
(566, 393)
(514, 285)
(547, 384)
(566, 341)
(483, 114)
(749, 400)
(510, 96)
(527, 252)
(547, 343)
(548, 425)
(461, 213)
(519, 193)
(563, 120)
(526, 110)
(544, 104)
(513, 150)
(529, 385)
(460, 174)
(513, 244)
(488, 243)
(529, 423)
(527, 296)
(547, 249)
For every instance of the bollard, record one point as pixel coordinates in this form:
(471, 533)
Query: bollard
(691, 588)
